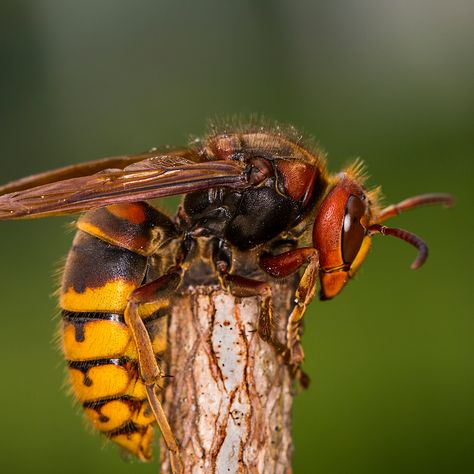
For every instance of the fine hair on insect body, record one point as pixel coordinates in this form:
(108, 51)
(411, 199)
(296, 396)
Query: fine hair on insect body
(257, 191)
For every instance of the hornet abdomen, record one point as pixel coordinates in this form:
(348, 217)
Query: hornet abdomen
(108, 260)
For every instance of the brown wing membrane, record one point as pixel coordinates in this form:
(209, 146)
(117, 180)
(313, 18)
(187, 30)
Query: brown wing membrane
(156, 177)
(88, 168)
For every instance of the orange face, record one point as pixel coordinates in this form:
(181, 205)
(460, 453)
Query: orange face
(340, 234)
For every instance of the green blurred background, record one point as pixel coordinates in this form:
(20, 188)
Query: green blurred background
(391, 359)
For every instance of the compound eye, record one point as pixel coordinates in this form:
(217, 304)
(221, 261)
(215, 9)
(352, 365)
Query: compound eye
(353, 231)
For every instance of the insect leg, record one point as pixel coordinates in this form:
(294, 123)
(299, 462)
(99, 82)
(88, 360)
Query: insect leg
(285, 264)
(154, 292)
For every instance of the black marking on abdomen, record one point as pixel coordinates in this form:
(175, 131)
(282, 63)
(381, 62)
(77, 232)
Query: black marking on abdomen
(160, 313)
(87, 364)
(126, 429)
(103, 401)
(109, 262)
(134, 405)
(84, 366)
(79, 320)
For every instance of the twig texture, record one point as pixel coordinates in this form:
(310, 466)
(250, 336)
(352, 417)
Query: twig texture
(230, 399)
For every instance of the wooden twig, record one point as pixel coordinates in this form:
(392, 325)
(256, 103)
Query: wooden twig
(230, 398)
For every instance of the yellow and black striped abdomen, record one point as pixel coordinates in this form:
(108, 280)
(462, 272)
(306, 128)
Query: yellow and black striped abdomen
(102, 269)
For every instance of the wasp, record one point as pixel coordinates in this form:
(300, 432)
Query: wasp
(260, 191)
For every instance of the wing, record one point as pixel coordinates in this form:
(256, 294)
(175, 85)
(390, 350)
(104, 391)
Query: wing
(87, 168)
(147, 176)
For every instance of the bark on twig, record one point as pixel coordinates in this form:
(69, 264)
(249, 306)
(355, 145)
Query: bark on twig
(230, 399)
